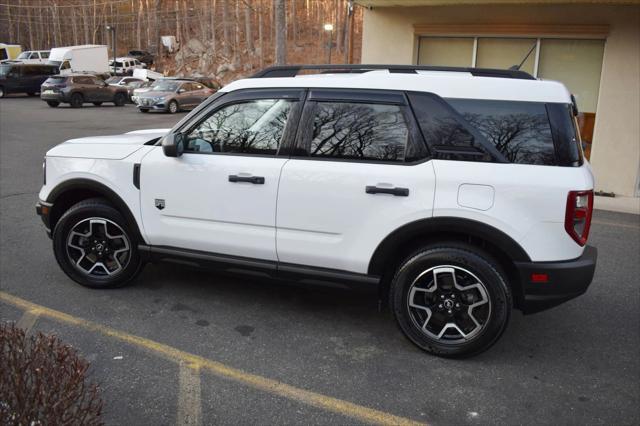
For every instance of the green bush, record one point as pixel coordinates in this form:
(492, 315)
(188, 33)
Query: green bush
(43, 382)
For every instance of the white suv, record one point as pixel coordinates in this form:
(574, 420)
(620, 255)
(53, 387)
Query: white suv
(457, 193)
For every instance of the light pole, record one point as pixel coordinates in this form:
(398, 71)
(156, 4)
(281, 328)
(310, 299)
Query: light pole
(329, 28)
(112, 29)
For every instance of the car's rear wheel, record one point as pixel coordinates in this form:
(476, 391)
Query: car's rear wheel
(94, 245)
(144, 110)
(53, 104)
(119, 99)
(97, 103)
(76, 100)
(451, 300)
(173, 107)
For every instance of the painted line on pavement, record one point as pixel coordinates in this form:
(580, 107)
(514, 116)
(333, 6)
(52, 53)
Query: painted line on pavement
(335, 405)
(28, 320)
(189, 401)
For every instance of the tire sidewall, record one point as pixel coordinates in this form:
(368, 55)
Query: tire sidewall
(61, 232)
(177, 108)
(76, 100)
(484, 269)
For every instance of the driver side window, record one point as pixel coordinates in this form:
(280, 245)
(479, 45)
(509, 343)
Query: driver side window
(253, 127)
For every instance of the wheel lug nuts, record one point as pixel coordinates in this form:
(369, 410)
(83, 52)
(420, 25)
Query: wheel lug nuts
(442, 296)
(449, 311)
(453, 296)
(440, 306)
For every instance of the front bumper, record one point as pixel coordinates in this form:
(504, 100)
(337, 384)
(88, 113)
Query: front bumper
(143, 103)
(565, 280)
(43, 209)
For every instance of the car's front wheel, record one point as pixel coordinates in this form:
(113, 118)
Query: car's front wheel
(143, 110)
(173, 107)
(451, 300)
(53, 104)
(94, 245)
(97, 103)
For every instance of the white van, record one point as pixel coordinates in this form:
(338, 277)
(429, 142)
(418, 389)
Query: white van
(34, 57)
(86, 58)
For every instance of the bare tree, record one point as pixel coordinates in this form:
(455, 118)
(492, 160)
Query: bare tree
(281, 35)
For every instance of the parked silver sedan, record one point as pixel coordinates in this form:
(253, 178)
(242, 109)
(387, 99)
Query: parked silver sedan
(173, 96)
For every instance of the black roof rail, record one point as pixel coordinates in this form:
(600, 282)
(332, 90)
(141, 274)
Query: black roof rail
(293, 70)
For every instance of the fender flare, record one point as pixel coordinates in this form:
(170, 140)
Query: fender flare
(444, 225)
(104, 191)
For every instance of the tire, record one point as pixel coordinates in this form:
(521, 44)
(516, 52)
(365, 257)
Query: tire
(2, 92)
(31, 94)
(76, 100)
(97, 103)
(173, 107)
(144, 110)
(53, 104)
(478, 303)
(119, 99)
(93, 226)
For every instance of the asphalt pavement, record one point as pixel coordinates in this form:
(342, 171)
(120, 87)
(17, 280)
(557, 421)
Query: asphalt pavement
(188, 346)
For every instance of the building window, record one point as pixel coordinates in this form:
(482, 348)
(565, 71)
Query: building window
(575, 62)
(446, 51)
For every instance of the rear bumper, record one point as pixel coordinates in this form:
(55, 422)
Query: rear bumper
(566, 280)
(53, 97)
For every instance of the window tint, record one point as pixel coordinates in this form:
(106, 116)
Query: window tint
(359, 131)
(519, 130)
(254, 127)
(44, 55)
(446, 134)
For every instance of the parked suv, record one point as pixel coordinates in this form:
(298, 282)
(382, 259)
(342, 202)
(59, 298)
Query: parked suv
(458, 193)
(124, 66)
(142, 56)
(23, 78)
(77, 89)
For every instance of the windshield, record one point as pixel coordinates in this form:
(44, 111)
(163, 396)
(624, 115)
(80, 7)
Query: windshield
(56, 80)
(165, 86)
(4, 70)
(24, 55)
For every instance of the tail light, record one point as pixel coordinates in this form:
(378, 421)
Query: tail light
(577, 220)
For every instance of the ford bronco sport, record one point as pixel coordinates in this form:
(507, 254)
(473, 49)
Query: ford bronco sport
(458, 193)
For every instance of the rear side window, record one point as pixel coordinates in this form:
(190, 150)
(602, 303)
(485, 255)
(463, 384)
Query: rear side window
(520, 131)
(44, 55)
(359, 131)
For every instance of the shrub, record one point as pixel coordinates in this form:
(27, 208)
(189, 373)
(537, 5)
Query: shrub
(43, 382)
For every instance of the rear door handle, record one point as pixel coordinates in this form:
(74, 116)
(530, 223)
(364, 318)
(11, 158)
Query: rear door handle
(398, 192)
(256, 180)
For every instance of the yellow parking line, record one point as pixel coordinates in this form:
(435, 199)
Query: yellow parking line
(314, 399)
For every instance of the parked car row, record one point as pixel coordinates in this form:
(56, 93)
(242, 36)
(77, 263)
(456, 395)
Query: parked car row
(23, 78)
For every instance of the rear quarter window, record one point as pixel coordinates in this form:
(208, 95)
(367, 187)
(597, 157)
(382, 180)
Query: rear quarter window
(520, 131)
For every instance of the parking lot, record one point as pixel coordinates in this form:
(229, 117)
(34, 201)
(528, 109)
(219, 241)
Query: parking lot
(196, 347)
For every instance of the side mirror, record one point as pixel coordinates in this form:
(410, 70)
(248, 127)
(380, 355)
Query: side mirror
(173, 144)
